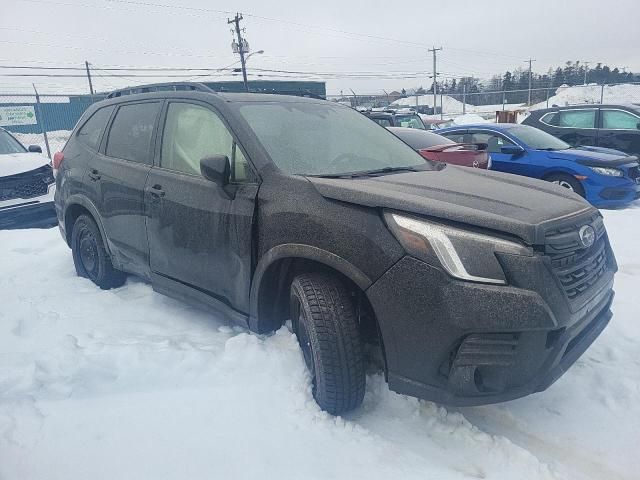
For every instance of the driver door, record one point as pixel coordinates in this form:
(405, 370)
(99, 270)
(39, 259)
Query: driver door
(200, 232)
(501, 162)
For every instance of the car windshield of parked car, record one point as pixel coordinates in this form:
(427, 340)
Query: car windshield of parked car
(409, 121)
(537, 139)
(325, 139)
(8, 144)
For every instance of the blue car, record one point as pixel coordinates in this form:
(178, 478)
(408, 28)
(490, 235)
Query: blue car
(605, 177)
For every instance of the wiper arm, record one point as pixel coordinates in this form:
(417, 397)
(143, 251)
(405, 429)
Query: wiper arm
(368, 173)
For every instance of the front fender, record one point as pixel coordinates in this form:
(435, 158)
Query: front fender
(298, 251)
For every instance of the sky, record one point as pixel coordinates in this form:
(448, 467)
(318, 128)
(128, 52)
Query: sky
(365, 47)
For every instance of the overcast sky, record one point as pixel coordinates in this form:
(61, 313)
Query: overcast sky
(383, 39)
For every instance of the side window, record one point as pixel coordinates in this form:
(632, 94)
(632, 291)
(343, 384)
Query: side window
(131, 132)
(550, 118)
(577, 119)
(619, 120)
(191, 133)
(91, 132)
(494, 141)
(240, 170)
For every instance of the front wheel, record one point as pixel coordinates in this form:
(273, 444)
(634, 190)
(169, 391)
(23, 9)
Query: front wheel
(90, 256)
(568, 182)
(324, 320)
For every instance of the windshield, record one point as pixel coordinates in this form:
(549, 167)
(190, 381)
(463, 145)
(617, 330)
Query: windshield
(326, 139)
(537, 139)
(409, 121)
(8, 144)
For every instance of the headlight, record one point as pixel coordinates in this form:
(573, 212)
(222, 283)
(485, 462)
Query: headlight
(463, 254)
(612, 172)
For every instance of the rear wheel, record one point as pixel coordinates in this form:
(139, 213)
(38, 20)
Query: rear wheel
(90, 256)
(566, 181)
(324, 320)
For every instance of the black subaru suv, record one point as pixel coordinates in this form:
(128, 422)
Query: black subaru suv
(468, 286)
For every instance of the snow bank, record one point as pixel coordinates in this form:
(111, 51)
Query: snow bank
(580, 94)
(450, 104)
(128, 383)
(469, 119)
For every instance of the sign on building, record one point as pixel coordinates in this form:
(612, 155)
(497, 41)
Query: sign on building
(18, 115)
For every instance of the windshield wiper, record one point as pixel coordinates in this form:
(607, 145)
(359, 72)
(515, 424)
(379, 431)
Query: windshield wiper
(369, 173)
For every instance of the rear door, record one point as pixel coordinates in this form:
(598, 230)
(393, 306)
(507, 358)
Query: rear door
(199, 232)
(576, 126)
(619, 129)
(119, 172)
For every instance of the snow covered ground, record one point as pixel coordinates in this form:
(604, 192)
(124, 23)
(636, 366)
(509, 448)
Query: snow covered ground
(129, 384)
(580, 94)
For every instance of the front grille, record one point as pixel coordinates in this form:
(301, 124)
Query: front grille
(634, 174)
(26, 185)
(577, 268)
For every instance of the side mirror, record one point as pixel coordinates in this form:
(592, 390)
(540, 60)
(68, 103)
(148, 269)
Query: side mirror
(216, 168)
(511, 150)
(35, 149)
(638, 126)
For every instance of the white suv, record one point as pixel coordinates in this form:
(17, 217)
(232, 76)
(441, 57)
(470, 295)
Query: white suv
(27, 185)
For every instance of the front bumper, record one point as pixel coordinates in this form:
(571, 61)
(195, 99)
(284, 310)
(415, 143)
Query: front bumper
(37, 212)
(611, 192)
(461, 343)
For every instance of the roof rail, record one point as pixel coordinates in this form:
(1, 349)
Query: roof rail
(161, 87)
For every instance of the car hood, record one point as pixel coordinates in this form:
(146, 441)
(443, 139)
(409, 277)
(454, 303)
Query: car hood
(14, 163)
(514, 205)
(593, 158)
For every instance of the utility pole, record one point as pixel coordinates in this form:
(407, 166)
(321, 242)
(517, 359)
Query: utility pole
(435, 86)
(586, 69)
(531, 60)
(464, 98)
(86, 64)
(241, 48)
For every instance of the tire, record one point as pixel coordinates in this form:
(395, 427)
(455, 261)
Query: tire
(90, 257)
(324, 320)
(566, 181)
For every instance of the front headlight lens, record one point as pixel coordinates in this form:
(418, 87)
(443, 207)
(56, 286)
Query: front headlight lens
(464, 254)
(612, 172)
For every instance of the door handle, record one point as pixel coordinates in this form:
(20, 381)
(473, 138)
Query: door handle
(94, 175)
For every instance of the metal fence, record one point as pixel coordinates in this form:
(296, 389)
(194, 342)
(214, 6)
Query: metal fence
(43, 120)
(487, 103)
(46, 120)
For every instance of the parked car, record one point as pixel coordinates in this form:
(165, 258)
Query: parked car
(26, 185)
(440, 149)
(396, 119)
(609, 126)
(604, 177)
(472, 286)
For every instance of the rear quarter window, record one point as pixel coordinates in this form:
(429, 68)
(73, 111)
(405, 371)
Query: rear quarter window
(91, 132)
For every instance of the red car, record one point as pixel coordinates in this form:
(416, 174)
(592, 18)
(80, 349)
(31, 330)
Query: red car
(436, 147)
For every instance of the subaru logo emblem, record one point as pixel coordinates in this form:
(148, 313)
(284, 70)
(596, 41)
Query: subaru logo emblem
(587, 236)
